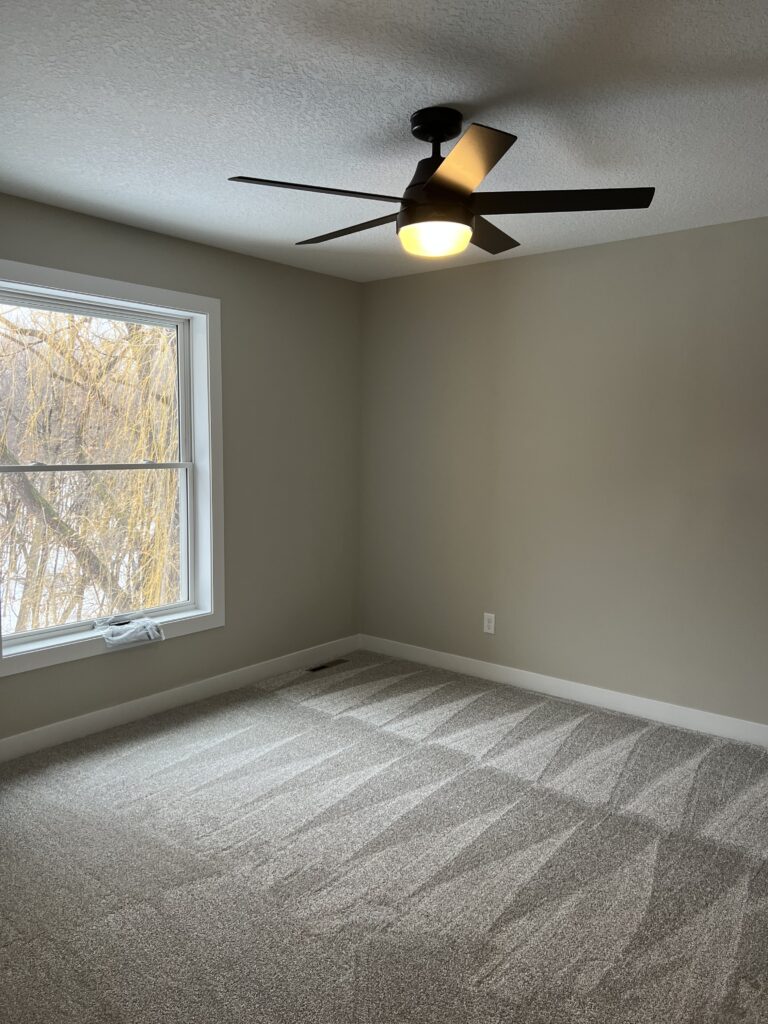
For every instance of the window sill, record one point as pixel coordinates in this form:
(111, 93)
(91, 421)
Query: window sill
(86, 643)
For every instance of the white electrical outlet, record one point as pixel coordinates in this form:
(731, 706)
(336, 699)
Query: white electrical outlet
(489, 622)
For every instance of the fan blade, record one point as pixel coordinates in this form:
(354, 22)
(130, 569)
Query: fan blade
(389, 219)
(475, 154)
(316, 188)
(490, 238)
(563, 201)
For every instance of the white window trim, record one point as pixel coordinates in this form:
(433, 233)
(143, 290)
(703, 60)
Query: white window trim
(51, 647)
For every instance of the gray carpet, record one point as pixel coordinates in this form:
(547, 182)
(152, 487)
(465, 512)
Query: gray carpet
(384, 843)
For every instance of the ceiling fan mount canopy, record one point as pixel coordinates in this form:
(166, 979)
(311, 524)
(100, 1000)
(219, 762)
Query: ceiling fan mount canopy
(436, 124)
(440, 210)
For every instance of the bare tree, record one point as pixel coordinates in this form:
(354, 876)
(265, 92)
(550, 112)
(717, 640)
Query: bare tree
(79, 390)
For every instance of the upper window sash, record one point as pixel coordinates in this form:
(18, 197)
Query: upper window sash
(86, 307)
(97, 309)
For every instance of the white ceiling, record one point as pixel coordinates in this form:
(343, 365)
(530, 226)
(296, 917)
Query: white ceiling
(139, 111)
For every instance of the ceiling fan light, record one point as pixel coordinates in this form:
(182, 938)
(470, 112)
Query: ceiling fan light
(435, 229)
(435, 238)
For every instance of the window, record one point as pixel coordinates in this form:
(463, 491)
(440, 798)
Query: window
(110, 476)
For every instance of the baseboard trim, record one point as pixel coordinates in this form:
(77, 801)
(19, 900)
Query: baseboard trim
(612, 700)
(51, 735)
(106, 718)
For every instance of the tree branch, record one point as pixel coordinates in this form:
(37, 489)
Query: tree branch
(42, 509)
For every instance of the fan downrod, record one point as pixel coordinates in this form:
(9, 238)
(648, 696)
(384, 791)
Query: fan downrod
(436, 124)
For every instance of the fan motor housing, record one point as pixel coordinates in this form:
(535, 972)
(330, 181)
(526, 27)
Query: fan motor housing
(420, 212)
(425, 168)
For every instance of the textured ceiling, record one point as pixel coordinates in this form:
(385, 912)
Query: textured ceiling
(140, 111)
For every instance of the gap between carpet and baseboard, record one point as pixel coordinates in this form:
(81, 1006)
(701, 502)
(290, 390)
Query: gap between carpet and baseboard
(612, 700)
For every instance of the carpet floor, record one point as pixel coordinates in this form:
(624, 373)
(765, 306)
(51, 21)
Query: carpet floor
(379, 843)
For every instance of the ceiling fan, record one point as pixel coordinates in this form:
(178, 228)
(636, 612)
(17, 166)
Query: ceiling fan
(440, 211)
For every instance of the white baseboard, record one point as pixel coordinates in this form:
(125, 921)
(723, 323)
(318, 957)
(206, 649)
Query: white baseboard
(643, 707)
(612, 700)
(106, 718)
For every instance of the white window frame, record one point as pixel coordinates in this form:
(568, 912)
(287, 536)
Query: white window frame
(198, 320)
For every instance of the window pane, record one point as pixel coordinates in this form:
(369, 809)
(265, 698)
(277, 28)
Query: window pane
(80, 389)
(76, 545)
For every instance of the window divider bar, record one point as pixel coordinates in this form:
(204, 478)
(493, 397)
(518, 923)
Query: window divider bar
(33, 467)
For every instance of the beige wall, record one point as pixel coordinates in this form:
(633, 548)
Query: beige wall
(290, 343)
(577, 441)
